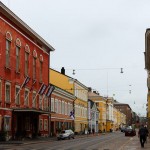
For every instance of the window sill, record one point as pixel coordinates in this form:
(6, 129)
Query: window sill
(7, 68)
(17, 72)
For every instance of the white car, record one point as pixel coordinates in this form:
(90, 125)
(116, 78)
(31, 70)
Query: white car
(65, 134)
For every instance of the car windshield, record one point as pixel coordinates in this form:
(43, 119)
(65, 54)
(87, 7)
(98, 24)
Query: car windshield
(63, 131)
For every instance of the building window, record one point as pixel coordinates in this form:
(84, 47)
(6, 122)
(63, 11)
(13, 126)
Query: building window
(26, 63)
(41, 70)
(0, 90)
(40, 101)
(7, 123)
(46, 103)
(8, 43)
(63, 107)
(59, 106)
(7, 92)
(66, 108)
(17, 59)
(52, 104)
(41, 124)
(34, 68)
(26, 97)
(56, 105)
(17, 95)
(34, 99)
(45, 125)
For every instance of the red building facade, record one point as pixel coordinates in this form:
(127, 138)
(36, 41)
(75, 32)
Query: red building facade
(62, 103)
(24, 58)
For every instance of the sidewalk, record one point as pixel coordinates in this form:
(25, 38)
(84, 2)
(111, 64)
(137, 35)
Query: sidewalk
(134, 144)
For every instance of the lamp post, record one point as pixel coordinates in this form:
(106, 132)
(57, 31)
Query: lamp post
(107, 105)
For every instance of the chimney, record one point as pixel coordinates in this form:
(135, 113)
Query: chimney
(63, 70)
(95, 92)
(89, 89)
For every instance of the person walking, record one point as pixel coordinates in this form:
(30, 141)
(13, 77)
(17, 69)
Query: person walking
(142, 135)
(146, 134)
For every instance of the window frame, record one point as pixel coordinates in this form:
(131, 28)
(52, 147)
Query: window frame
(17, 99)
(26, 99)
(8, 47)
(26, 63)
(9, 84)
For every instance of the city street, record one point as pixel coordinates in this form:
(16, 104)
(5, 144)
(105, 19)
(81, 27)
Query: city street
(109, 141)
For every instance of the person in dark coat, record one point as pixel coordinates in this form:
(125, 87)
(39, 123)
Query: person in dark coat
(142, 135)
(146, 134)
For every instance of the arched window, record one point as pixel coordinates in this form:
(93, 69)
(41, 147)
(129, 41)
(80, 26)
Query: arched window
(41, 68)
(27, 51)
(18, 46)
(34, 64)
(8, 47)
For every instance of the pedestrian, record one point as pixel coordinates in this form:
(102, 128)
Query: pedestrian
(93, 131)
(146, 134)
(142, 135)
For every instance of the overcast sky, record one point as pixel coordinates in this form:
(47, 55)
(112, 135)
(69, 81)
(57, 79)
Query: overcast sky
(96, 38)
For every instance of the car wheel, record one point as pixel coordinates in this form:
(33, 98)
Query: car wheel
(68, 137)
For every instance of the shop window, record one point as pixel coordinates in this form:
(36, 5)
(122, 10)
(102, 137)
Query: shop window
(41, 124)
(45, 124)
(7, 123)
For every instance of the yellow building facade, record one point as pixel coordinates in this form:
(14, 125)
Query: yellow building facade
(79, 90)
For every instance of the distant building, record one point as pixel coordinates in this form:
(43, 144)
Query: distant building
(93, 116)
(126, 109)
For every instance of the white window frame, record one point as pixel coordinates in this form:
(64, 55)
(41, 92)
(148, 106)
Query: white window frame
(9, 84)
(17, 100)
(26, 98)
(8, 42)
(17, 58)
(63, 107)
(56, 105)
(34, 103)
(52, 105)
(26, 63)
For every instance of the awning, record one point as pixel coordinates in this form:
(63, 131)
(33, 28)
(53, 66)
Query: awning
(31, 110)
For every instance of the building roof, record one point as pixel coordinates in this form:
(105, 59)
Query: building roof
(24, 27)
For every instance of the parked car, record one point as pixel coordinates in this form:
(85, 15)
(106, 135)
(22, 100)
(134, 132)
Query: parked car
(123, 129)
(65, 134)
(130, 131)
